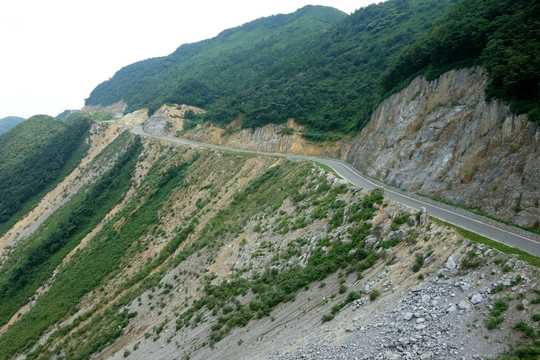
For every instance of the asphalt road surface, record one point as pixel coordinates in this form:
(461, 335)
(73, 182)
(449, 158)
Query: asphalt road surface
(347, 172)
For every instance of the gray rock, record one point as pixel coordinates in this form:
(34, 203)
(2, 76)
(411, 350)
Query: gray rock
(424, 217)
(371, 241)
(464, 305)
(407, 316)
(451, 263)
(400, 234)
(476, 299)
(445, 132)
(389, 355)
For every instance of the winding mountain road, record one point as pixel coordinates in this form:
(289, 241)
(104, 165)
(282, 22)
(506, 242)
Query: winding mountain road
(528, 242)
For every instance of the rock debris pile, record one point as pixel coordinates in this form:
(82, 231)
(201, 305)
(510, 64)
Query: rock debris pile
(440, 318)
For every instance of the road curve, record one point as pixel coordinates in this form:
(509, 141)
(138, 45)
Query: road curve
(350, 174)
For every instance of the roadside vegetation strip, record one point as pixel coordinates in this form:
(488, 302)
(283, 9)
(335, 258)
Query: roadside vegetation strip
(477, 211)
(522, 255)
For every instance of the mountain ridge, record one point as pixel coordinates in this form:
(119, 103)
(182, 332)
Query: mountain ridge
(9, 122)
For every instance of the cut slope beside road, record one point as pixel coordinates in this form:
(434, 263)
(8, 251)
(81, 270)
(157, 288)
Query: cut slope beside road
(522, 240)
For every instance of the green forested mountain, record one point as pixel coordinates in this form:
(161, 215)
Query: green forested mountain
(316, 65)
(203, 73)
(9, 122)
(34, 155)
(329, 71)
(333, 85)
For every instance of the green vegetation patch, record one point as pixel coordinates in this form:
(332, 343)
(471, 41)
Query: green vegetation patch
(36, 155)
(32, 264)
(273, 287)
(522, 255)
(495, 318)
(327, 168)
(502, 35)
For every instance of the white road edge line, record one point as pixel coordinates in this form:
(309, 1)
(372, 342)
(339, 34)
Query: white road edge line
(446, 210)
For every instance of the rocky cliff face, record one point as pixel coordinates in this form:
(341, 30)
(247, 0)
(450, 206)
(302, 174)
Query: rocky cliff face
(167, 120)
(269, 138)
(441, 138)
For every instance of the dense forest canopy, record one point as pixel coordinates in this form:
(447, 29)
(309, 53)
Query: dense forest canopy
(206, 69)
(502, 35)
(329, 71)
(34, 154)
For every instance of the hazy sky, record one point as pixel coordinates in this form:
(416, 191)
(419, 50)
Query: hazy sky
(54, 52)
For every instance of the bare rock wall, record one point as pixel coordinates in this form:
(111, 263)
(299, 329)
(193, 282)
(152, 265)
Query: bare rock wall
(441, 138)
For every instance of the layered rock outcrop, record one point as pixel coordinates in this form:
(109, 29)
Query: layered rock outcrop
(276, 138)
(441, 138)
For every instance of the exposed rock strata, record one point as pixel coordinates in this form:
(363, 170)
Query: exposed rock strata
(268, 138)
(167, 120)
(441, 138)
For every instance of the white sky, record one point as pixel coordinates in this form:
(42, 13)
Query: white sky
(54, 52)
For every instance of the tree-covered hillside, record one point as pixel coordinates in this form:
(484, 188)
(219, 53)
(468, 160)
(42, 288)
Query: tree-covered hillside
(9, 122)
(502, 35)
(203, 72)
(329, 71)
(316, 65)
(33, 155)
